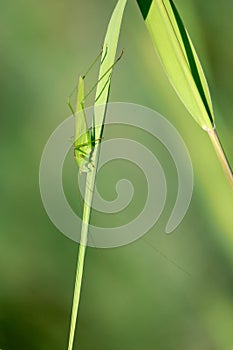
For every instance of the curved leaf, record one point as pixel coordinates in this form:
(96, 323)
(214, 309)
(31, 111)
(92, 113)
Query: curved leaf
(179, 58)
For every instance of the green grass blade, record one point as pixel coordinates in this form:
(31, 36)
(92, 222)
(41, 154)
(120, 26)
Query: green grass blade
(77, 291)
(107, 61)
(179, 58)
(102, 92)
(183, 68)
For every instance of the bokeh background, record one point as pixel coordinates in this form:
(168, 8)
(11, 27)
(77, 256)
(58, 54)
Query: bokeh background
(161, 292)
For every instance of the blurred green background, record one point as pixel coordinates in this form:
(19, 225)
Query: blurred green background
(137, 296)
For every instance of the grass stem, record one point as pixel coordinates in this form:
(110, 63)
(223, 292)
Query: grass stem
(221, 155)
(89, 190)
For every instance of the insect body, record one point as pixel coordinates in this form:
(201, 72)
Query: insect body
(83, 144)
(85, 140)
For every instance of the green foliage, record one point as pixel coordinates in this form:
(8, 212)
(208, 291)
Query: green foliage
(92, 146)
(180, 60)
(183, 68)
(42, 50)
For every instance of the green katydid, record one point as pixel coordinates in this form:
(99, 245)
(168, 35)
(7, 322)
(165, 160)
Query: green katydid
(84, 142)
(84, 138)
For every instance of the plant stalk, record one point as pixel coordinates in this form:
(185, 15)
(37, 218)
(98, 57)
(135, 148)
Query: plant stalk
(221, 155)
(89, 190)
(101, 99)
